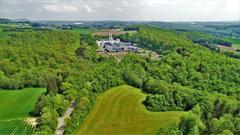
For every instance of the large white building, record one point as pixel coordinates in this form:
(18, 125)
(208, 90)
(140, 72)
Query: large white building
(112, 45)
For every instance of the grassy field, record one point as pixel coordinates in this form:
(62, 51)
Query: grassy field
(235, 42)
(115, 32)
(236, 46)
(14, 109)
(120, 111)
(226, 48)
(82, 31)
(3, 35)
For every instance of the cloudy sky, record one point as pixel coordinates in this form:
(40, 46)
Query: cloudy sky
(135, 10)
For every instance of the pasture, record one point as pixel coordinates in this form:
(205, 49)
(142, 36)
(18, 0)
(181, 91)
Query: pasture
(3, 35)
(82, 31)
(235, 42)
(14, 109)
(119, 111)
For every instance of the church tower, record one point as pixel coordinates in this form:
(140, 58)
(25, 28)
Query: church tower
(110, 38)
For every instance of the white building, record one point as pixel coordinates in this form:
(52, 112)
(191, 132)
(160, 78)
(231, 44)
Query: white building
(112, 45)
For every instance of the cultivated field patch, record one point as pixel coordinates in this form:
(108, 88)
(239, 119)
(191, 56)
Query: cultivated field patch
(120, 111)
(14, 110)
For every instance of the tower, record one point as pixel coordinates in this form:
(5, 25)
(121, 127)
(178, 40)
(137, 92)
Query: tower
(110, 38)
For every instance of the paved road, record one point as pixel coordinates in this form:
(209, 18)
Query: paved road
(61, 124)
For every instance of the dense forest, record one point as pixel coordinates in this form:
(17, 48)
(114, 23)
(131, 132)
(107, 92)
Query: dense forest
(191, 78)
(188, 77)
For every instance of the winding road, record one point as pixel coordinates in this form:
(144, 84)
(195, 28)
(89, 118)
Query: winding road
(61, 124)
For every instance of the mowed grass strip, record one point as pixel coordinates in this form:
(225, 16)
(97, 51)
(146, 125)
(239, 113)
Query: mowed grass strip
(15, 107)
(119, 111)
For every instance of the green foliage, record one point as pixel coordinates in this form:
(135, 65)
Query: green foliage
(48, 121)
(69, 91)
(207, 39)
(233, 40)
(27, 58)
(191, 125)
(82, 30)
(222, 125)
(80, 113)
(188, 64)
(154, 86)
(171, 130)
(175, 99)
(49, 108)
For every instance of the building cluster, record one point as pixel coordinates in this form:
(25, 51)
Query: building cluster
(112, 45)
(51, 26)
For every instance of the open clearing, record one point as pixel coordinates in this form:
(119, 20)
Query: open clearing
(14, 109)
(82, 31)
(236, 46)
(115, 32)
(226, 48)
(119, 111)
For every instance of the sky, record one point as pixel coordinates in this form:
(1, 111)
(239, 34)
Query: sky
(125, 10)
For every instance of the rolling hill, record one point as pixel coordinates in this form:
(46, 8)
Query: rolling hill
(120, 111)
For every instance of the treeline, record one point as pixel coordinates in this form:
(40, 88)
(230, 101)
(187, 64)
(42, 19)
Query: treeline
(212, 42)
(232, 54)
(12, 29)
(204, 39)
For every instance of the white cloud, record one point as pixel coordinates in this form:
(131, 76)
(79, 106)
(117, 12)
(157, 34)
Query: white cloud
(162, 10)
(233, 7)
(155, 3)
(30, 1)
(118, 9)
(61, 8)
(4, 11)
(89, 9)
(125, 3)
(11, 11)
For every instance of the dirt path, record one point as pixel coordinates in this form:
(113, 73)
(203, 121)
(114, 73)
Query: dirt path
(61, 125)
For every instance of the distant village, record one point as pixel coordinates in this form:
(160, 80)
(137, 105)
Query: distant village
(115, 46)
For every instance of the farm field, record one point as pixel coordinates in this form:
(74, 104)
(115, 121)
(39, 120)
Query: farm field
(236, 46)
(3, 35)
(235, 42)
(120, 111)
(115, 32)
(82, 31)
(226, 48)
(14, 109)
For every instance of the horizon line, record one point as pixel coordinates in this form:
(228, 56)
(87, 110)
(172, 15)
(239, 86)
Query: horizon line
(116, 20)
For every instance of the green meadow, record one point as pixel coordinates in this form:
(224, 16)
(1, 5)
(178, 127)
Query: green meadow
(235, 42)
(120, 111)
(82, 31)
(14, 109)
